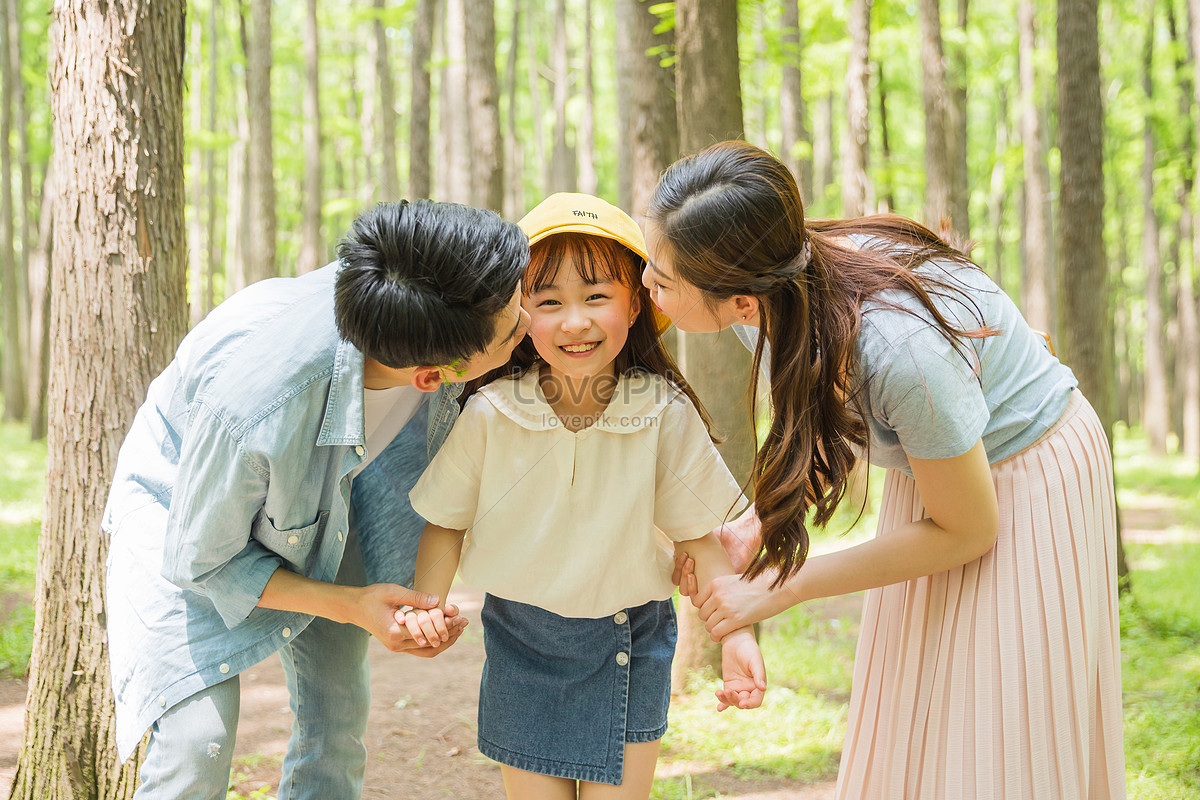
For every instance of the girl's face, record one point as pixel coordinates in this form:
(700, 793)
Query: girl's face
(579, 328)
(683, 302)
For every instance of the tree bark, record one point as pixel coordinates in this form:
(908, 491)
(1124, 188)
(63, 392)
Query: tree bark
(456, 122)
(418, 126)
(237, 200)
(710, 110)
(1037, 285)
(936, 101)
(1155, 405)
(118, 311)
(1087, 338)
(856, 185)
(586, 135)
(195, 226)
(12, 279)
(797, 141)
(562, 171)
(823, 148)
(312, 247)
(535, 92)
(208, 166)
(261, 263)
(889, 196)
(650, 136)
(999, 191)
(40, 285)
(389, 175)
(956, 129)
(483, 103)
(514, 195)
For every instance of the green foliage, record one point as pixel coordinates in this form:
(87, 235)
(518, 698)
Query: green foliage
(22, 480)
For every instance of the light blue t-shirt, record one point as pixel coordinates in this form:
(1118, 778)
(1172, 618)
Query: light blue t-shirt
(924, 398)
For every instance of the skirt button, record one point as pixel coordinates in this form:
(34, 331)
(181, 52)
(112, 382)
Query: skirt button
(622, 658)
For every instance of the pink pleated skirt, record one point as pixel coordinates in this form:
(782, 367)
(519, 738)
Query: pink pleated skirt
(1000, 679)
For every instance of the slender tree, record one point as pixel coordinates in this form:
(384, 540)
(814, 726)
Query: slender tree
(797, 141)
(823, 147)
(956, 125)
(1155, 405)
(936, 100)
(514, 158)
(483, 107)
(389, 175)
(1087, 336)
(237, 199)
(650, 132)
(710, 110)
(455, 130)
(312, 247)
(856, 187)
(561, 175)
(1037, 285)
(418, 125)
(118, 311)
(1189, 296)
(40, 284)
(208, 165)
(11, 277)
(197, 263)
(588, 182)
(261, 263)
(999, 189)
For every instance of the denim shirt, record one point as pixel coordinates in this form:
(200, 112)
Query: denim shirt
(238, 463)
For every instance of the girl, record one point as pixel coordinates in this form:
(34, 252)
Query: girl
(988, 663)
(547, 493)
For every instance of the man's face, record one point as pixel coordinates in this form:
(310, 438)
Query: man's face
(511, 326)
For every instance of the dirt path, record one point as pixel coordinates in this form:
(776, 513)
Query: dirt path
(420, 742)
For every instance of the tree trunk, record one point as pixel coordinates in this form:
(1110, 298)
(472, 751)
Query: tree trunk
(261, 263)
(650, 135)
(40, 285)
(956, 129)
(856, 185)
(389, 175)
(483, 104)
(195, 226)
(797, 141)
(456, 130)
(588, 183)
(237, 201)
(418, 125)
(312, 246)
(999, 191)
(514, 196)
(1189, 316)
(535, 92)
(1087, 340)
(12, 279)
(889, 195)
(936, 101)
(710, 110)
(209, 167)
(1154, 409)
(1037, 284)
(24, 201)
(118, 311)
(562, 170)
(823, 148)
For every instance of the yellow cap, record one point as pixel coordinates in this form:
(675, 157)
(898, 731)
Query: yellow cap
(571, 212)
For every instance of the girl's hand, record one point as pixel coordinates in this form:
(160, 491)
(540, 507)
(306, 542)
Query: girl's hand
(729, 603)
(743, 672)
(433, 627)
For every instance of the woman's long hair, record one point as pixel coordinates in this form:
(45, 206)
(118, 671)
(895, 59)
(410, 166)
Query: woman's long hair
(598, 259)
(733, 222)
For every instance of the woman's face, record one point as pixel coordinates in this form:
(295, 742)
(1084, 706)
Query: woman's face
(683, 302)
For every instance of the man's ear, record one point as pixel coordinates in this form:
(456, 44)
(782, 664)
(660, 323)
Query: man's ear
(427, 379)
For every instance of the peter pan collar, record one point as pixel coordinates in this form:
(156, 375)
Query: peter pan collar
(636, 403)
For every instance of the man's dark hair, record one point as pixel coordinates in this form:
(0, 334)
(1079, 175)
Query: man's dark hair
(421, 283)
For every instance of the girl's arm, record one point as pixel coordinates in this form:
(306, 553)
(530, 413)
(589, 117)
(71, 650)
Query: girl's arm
(742, 668)
(963, 519)
(437, 561)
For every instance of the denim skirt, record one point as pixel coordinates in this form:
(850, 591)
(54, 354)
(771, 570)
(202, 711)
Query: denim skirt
(562, 696)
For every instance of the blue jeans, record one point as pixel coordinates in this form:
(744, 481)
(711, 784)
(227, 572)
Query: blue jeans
(191, 746)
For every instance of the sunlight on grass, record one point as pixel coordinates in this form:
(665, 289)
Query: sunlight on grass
(22, 482)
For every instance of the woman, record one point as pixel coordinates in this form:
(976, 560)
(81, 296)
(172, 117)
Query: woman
(988, 663)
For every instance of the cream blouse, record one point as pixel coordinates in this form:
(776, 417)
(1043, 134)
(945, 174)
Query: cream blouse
(565, 520)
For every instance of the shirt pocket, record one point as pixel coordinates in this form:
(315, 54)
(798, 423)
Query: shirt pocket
(296, 545)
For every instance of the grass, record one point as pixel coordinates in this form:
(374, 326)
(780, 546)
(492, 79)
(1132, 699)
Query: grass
(797, 735)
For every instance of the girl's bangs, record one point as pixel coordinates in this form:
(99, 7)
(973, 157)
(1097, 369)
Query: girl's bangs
(598, 260)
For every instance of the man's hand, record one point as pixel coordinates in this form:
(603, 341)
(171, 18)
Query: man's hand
(382, 607)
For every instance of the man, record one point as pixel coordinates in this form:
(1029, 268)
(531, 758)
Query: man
(233, 531)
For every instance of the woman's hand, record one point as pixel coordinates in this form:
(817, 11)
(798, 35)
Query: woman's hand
(742, 539)
(730, 602)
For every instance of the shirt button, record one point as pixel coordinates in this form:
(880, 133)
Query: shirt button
(621, 618)
(622, 658)
(287, 632)
(360, 449)
(225, 668)
(293, 539)
(339, 536)
(162, 702)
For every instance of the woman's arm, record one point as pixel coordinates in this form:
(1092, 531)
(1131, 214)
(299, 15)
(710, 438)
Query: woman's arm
(963, 519)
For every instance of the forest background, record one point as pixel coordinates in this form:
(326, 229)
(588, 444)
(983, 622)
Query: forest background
(202, 146)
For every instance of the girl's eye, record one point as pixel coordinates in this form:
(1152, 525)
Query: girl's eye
(598, 296)
(544, 303)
